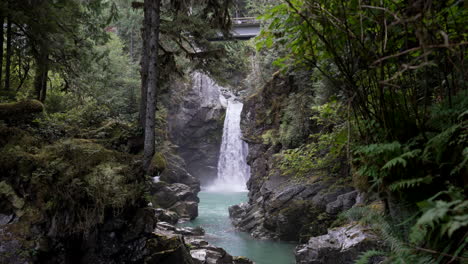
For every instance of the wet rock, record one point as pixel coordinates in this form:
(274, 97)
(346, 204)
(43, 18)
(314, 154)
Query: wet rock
(340, 245)
(204, 253)
(175, 197)
(166, 216)
(242, 260)
(190, 231)
(196, 125)
(186, 231)
(164, 249)
(237, 212)
(175, 172)
(186, 209)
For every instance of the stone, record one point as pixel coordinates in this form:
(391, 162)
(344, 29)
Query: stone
(340, 245)
(176, 197)
(186, 209)
(237, 211)
(342, 203)
(190, 231)
(166, 216)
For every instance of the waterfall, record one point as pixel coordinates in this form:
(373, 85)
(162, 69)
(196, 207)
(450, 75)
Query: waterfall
(233, 170)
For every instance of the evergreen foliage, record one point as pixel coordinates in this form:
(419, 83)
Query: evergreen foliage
(397, 71)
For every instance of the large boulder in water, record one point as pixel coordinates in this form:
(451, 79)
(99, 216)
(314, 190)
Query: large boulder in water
(204, 253)
(340, 245)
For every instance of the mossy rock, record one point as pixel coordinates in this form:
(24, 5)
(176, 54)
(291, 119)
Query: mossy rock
(158, 164)
(81, 154)
(9, 193)
(19, 111)
(76, 180)
(167, 249)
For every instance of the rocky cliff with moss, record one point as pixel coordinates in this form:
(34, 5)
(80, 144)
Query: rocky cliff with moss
(285, 203)
(72, 190)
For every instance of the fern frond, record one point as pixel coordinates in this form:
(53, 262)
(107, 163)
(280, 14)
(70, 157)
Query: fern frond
(402, 159)
(367, 256)
(409, 183)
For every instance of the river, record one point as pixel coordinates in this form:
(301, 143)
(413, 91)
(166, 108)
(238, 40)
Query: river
(214, 218)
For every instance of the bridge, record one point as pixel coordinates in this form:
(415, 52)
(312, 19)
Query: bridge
(243, 28)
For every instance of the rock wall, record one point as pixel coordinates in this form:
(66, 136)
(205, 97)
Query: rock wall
(196, 125)
(282, 206)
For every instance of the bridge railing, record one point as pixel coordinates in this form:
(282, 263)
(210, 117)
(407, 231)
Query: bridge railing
(244, 20)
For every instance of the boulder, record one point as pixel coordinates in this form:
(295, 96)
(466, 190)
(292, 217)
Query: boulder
(176, 197)
(340, 245)
(186, 209)
(342, 203)
(237, 212)
(164, 249)
(204, 253)
(20, 111)
(186, 231)
(164, 215)
(174, 172)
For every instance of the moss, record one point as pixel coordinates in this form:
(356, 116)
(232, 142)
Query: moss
(80, 180)
(360, 181)
(79, 154)
(76, 180)
(270, 137)
(23, 107)
(7, 191)
(158, 164)
(19, 110)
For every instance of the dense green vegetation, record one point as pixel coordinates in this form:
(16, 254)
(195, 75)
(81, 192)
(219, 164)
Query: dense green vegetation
(389, 96)
(380, 97)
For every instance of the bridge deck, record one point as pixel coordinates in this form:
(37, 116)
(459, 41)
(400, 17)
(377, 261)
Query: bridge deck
(242, 29)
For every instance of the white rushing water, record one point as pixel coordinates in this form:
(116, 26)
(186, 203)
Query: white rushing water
(233, 170)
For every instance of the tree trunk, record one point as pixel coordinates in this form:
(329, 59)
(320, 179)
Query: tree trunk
(144, 64)
(40, 80)
(8, 55)
(131, 44)
(2, 19)
(154, 7)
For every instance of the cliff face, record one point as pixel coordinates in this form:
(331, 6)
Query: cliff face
(284, 206)
(77, 200)
(196, 126)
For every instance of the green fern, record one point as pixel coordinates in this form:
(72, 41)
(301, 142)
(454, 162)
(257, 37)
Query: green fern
(436, 146)
(368, 255)
(409, 183)
(402, 159)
